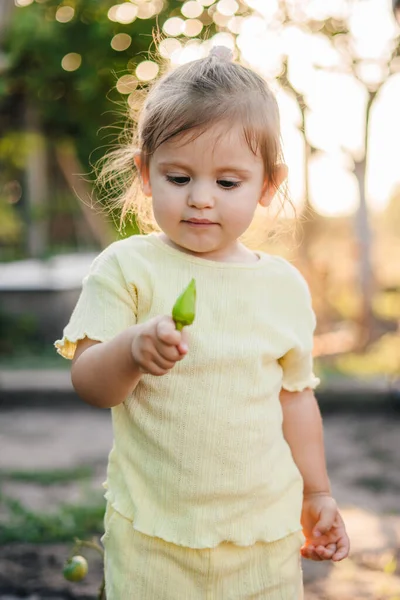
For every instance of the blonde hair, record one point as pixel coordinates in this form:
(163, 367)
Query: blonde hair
(190, 99)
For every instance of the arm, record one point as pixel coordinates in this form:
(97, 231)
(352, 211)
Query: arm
(302, 428)
(104, 374)
(323, 526)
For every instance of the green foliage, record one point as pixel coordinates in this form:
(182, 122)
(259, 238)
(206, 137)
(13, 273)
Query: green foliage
(76, 103)
(11, 224)
(50, 477)
(82, 105)
(70, 521)
(18, 332)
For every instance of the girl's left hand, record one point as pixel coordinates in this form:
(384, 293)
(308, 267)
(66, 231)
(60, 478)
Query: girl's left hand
(323, 528)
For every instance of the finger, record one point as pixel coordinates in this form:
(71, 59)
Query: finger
(162, 363)
(170, 353)
(183, 347)
(157, 371)
(310, 554)
(326, 552)
(326, 520)
(167, 333)
(340, 555)
(343, 548)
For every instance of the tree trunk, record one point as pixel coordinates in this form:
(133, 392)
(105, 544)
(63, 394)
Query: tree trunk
(97, 221)
(363, 241)
(308, 212)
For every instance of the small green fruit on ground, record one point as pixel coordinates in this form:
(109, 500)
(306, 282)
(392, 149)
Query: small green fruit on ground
(75, 568)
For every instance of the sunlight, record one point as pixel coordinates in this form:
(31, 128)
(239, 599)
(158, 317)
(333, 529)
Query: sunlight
(320, 69)
(383, 172)
(147, 70)
(192, 9)
(174, 26)
(71, 61)
(333, 189)
(372, 28)
(337, 113)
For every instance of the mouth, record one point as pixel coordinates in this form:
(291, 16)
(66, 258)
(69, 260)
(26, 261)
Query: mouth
(199, 222)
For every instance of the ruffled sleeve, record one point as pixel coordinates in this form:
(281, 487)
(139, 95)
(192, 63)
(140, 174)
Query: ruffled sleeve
(297, 363)
(106, 306)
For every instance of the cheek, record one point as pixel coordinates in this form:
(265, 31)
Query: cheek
(240, 212)
(166, 203)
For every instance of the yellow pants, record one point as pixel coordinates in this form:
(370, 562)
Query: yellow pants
(139, 567)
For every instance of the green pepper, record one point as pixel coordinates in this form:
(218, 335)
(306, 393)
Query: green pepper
(183, 312)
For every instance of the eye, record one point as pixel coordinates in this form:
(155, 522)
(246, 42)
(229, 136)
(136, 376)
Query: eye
(228, 185)
(178, 180)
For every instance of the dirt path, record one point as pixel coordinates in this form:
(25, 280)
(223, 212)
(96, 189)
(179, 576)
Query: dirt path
(363, 454)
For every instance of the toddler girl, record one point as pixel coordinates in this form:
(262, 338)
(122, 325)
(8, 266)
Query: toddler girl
(217, 478)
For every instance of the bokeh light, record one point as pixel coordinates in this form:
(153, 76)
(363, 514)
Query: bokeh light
(121, 42)
(193, 50)
(223, 39)
(337, 9)
(127, 84)
(192, 9)
(372, 28)
(126, 13)
(135, 101)
(269, 10)
(168, 46)
(193, 27)
(149, 9)
(71, 61)
(235, 24)
(147, 70)
(22, 3)
(219, 19)
(65, 14)
(227, 7)
(174, 26)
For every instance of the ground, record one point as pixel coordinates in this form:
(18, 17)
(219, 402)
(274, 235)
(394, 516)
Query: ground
(363, 454)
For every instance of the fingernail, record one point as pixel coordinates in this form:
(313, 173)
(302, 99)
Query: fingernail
(184, 348)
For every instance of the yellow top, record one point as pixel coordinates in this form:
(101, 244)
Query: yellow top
(199, 455)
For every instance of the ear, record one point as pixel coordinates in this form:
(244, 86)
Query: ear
(271, 185)
(143, 173)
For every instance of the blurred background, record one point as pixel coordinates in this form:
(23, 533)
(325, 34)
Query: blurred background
(70, 70)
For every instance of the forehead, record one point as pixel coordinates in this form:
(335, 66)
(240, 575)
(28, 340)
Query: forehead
(220, 143)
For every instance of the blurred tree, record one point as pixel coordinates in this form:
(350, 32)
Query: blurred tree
(57, 90)
(64, 59)
(372, 73)
(392, 213)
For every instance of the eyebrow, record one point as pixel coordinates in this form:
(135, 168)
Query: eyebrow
(225, 168)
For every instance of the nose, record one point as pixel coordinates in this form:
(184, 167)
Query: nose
(200, 195)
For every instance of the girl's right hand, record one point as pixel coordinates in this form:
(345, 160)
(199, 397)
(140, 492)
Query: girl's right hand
(158, 345)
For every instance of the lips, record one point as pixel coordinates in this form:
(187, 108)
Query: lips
(200, 221)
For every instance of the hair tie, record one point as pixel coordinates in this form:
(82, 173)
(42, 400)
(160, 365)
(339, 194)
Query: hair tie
(222, 53)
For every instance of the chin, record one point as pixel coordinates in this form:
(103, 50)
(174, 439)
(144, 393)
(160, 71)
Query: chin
(199, 246)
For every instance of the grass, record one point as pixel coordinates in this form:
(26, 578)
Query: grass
(23, 525)
(50, 477)
(71, 520)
